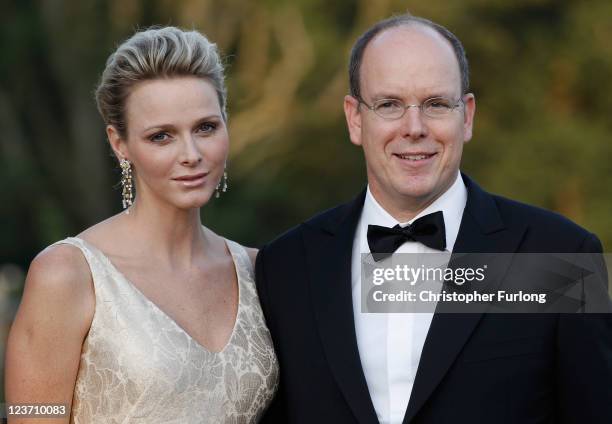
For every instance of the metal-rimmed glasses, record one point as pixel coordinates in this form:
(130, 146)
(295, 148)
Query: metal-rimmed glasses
(434, 107)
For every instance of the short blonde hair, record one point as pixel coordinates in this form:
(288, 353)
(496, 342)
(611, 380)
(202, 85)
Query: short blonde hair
(151, 54)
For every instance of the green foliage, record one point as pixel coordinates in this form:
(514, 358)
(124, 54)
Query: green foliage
(540, 72)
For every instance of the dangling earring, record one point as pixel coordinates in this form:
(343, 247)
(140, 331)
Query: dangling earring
(126, 183)
(222, 186)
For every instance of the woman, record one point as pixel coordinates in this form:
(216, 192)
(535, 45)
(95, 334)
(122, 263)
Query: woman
(148, 316)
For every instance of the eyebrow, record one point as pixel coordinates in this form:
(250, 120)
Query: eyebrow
(172, 126)
(430, 95)
(384, 96)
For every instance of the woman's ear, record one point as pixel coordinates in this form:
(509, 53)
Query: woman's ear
(116, 142)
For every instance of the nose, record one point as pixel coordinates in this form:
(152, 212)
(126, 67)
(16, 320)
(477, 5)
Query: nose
(190, 153)
(413, 124)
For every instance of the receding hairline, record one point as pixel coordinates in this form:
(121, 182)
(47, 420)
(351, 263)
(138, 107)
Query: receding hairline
(404, 21)
(416, 26)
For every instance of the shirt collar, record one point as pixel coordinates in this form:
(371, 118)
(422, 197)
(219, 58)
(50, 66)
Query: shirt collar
(451, 203)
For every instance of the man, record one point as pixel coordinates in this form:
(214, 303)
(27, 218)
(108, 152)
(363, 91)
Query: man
(411, 112)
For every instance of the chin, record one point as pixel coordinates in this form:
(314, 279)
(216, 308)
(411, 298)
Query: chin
(416, 195)
(417, 187)
(194, 201)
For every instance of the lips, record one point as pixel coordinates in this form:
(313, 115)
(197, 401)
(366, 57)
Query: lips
(191, 177)
(414, 157)
(191, 181)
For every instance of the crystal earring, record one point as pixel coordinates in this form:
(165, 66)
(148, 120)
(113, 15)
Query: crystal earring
(222, 186)
(127, 193)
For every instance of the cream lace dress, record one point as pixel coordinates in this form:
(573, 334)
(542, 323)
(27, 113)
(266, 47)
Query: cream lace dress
(138, 366)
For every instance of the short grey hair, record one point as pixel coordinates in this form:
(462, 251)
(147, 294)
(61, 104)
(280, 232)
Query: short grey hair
(397, 21)
(157, 52)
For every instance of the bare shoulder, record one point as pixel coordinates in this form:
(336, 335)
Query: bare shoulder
(59, 262)
(55, 314)
(58, 297)
(59, 278)
(59, 267)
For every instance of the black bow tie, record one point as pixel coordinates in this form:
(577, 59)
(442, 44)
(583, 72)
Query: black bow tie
(428, 229)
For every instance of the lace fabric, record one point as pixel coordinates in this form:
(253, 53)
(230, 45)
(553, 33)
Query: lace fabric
(139, 366)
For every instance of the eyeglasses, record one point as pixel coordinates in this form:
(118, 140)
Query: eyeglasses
(435, 107)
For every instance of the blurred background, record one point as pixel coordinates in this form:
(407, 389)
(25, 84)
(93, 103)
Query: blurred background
(541, 72)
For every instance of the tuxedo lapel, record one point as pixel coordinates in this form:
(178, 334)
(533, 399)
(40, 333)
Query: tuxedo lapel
(328, 254)
(482, 230)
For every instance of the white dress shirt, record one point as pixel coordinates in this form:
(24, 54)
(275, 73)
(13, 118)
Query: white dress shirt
(390, 344)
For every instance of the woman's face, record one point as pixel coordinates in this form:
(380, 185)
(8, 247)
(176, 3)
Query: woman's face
(177, 141)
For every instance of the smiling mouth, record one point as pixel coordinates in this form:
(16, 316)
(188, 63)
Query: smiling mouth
(191, 177)
(415, 157)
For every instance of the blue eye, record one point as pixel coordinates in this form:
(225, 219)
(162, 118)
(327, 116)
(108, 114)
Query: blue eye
(207, 127)
(159, 137)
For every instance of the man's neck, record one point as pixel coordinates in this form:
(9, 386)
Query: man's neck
(402, 208)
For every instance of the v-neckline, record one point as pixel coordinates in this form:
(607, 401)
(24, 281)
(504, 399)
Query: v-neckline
(164, 313)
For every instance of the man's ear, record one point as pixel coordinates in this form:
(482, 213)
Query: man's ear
(353, 119)
(469, 110)
(116, 142)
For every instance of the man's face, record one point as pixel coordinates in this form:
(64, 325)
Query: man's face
(412, 160)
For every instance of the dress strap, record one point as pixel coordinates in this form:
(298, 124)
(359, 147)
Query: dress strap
(80, 244)
(89, 253)
(241, 258)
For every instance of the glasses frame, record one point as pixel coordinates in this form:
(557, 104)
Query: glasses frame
(457, 103)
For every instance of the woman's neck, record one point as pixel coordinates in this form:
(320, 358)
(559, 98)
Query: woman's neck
(167, 233)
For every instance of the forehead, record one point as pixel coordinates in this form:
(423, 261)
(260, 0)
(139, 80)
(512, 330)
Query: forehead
(410, 60)
(171, 100)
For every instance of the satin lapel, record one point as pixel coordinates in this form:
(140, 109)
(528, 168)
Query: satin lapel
(329, 251)
(482, 230)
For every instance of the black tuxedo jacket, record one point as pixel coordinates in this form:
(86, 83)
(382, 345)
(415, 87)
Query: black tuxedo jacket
(474, 368)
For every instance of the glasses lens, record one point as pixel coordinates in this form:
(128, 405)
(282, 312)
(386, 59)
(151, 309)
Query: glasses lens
(438, 106)
(389, 108)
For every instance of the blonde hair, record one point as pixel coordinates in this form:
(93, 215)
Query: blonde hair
(151, 54)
